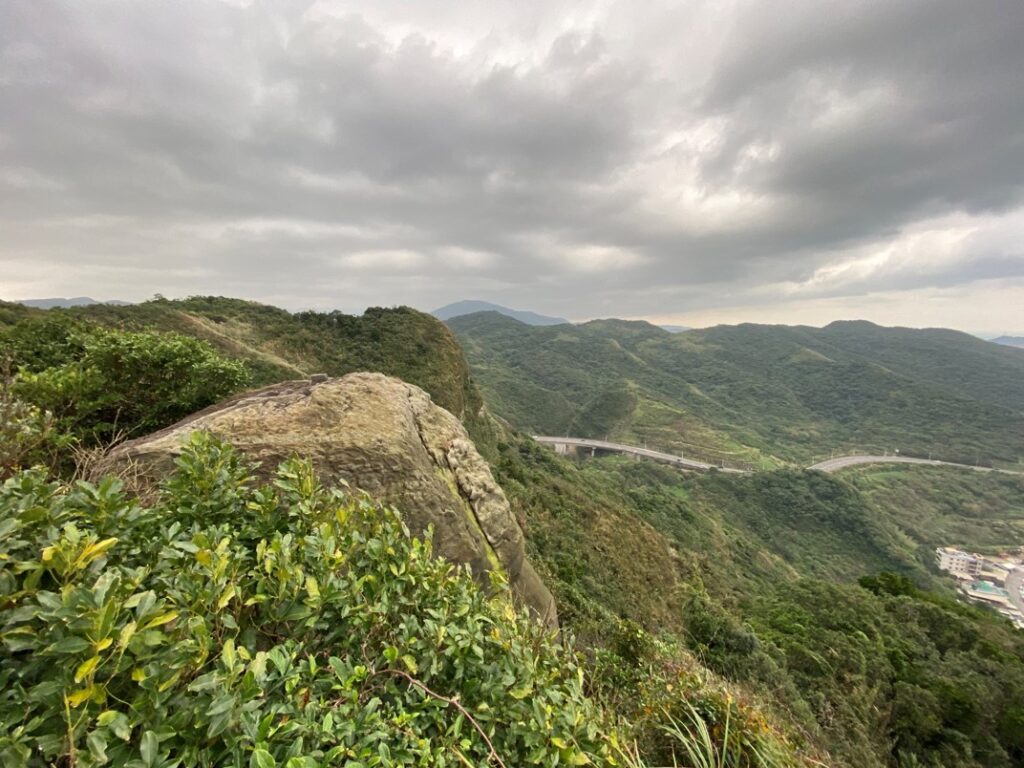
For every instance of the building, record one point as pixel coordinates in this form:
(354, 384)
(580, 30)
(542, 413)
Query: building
(958, 562)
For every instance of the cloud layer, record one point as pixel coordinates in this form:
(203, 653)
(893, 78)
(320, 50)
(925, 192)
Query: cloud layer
(705, 161)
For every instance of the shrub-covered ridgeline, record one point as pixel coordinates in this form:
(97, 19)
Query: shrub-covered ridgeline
(229, 623)
(277, 345)
(269, 344)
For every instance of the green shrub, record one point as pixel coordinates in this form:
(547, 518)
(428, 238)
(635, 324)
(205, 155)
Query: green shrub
(40, 342)
(241, 624)
(28, 435)
(102, 384)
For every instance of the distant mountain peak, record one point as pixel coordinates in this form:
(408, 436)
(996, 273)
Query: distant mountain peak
(470, 306)
(62, 303)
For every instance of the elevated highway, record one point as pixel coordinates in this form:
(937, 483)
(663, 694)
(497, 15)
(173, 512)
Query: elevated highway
(842, 462)
(562, 444)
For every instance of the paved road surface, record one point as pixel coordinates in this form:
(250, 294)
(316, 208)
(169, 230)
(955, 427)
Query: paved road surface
(604, 445)
(1013, 582)
(829, 465)
(841, 462)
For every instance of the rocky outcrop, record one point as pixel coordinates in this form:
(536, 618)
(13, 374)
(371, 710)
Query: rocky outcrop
(383, 436)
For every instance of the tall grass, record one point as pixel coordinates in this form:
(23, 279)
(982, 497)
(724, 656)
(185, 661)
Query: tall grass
(696, 745)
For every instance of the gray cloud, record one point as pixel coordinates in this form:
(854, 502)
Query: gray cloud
(884, 111)
(576, 159)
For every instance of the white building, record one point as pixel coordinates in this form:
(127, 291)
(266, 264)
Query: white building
(958, 562)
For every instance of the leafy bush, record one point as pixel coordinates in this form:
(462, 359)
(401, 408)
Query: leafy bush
(37, 343)
(101, 384)
(265, 625)
(898, 674)
(28, 435)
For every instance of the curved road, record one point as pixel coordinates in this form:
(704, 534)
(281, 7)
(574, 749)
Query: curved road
(647, 453)
(829, 465)
(841, 462)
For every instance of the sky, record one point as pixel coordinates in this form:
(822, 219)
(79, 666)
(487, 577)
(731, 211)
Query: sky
(692, 162)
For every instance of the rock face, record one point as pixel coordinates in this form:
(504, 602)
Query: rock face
(383, 436)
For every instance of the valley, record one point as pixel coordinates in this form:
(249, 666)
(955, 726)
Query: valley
(511, 385)
(567, 445)
(762, 395)
(804, 603)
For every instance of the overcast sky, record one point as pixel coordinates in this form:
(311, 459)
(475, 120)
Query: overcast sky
(687, 162)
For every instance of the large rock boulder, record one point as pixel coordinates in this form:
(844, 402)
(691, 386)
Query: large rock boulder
(383, 436)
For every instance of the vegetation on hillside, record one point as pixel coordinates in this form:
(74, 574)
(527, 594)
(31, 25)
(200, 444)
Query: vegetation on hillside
(745, 609)
(759, 577)
(101, 385)
(937, 507)
(270, 344)
(232, 623)
(288, 624)
(149, 686)
(755, 393)
(899, 678)
(279, 345)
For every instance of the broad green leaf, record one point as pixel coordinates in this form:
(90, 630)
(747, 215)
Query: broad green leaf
(312, 587)
(94, 551)
(149, 748)
(77, 698)
(126, 634)
(97, 747)
(85, 668)
(521, 692)
(225, 596)
(161, 619)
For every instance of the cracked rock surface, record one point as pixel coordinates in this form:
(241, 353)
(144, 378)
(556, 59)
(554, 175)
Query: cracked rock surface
(383, 436)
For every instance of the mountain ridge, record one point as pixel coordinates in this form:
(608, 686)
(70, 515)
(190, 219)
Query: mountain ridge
(62, 303)
(1009, 341)
(791, 392)
(471, 306)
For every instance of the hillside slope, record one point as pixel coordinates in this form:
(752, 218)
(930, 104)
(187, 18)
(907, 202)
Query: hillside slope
(755, 392)
(661, 577)
(278, 345)
(759, 576)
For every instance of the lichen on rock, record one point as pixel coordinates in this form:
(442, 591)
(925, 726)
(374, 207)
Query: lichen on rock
(379, 434)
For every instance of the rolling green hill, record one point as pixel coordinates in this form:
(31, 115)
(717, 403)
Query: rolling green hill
(759, 592)
(277, 345)
(753, 392)
(759, 576)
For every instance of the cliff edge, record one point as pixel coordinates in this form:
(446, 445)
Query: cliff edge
(381, 435)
